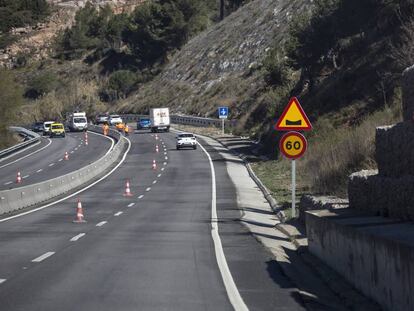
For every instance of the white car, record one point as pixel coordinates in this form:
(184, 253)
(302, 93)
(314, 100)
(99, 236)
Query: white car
(186, 140)
(46, 127)
(114, 119)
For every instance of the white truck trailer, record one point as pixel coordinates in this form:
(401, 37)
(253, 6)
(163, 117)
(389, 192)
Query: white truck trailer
(77, 121)
(160, 119)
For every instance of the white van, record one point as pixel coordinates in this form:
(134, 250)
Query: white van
(77, 121)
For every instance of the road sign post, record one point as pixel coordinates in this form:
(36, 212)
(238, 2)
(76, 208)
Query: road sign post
(293, 145)
(223, 114)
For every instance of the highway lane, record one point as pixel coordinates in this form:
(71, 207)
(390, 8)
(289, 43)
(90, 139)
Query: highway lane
(48, 163)
(151, 251)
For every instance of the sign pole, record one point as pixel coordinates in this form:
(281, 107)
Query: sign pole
(293, 189)
(222, 126)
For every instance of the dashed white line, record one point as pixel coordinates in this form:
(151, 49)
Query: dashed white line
(72, 151)
(8, 183)
(159, 175)
(166, 158)
(76, 148)
(165, 153)
(2, 281)
(60, 160)
(148, 189)
(162, 169)
(154, 182)
(24, 177)
(51, 164)
(38, 171)
(141, 196)
(131, 204)
(165, 163)
(118, 214)
(77, 237)
(101, 223)
(43, 257)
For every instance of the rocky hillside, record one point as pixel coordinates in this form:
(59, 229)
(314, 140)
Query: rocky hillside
(36, 42)
(222, 65)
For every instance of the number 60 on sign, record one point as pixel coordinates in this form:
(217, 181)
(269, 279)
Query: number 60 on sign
(293, 145)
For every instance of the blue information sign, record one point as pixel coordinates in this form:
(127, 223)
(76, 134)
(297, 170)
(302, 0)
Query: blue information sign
(223, 112)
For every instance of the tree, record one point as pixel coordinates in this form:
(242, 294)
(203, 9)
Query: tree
(122, 82)
(10, 100)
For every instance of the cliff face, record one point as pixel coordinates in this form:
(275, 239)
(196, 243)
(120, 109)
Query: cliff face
(220, 66)
(35, 42)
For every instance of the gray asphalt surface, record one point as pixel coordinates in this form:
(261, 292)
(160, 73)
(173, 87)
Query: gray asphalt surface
(153, 253)
(47, 163)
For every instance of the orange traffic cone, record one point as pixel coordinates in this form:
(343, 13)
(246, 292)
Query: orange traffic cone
(86, 141)
(66, 156)
(79, 214)
(127, 190)
(154, 165)
(18, 178)
(156, 149)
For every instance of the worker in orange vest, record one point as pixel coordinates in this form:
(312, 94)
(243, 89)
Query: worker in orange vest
(105, 129)
(120, 127)
(126, 130)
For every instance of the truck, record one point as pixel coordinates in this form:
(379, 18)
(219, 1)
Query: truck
(77, 121)
(160, 119)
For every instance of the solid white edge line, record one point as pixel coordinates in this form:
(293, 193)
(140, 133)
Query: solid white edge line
(43, 257)
(77, 237)
(77, 192)
(118, 214)
(232, 292)
(27, 155)
(131, 204)
(108, 137)
(2, 280)
(101, 223)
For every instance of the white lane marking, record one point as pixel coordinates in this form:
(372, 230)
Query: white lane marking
(101, 223)
(232, 292)
(72, 151)
(43, 257)
(108, 137)
(2, 281)
(118, 214)
(24, 177)
(162, 169)
(79, 145)
(166, 158)
(60, 160)
(165, 153)
(38, 171)
(154, 182)
(148, 189)
(76, 148)
(51, 164)
(131, 204)
(8, 183)
(159, 175)
(27, 155)
(77, 237)
(165, 163)
(77, 192)
(141, 196)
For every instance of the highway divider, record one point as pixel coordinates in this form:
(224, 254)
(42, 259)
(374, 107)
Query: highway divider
(31, 138)
(26, 196)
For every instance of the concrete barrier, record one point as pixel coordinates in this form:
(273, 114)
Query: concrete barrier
(22, 197)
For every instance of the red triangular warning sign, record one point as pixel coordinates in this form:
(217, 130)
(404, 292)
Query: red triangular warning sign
(293, 118)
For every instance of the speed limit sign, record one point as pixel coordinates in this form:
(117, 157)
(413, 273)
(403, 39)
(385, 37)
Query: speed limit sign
(293, 145)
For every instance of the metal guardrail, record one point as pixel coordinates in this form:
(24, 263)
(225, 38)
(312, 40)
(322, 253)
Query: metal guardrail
(22, 197)
(33, 138)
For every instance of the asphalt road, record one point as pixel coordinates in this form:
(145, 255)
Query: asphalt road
(151, 251)
(45, 161)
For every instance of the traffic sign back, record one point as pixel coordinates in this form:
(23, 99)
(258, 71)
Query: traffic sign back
(293, 118)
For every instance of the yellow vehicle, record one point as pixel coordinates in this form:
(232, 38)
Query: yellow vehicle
(57, 129)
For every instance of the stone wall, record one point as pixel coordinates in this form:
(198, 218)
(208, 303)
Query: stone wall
(375, 254)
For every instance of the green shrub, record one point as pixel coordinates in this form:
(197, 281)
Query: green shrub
(42, 85)
(122, 82)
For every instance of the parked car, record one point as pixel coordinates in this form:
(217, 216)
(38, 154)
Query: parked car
(37, 127)
(46, 127)
(101, 119)
(57, 129)
(114, 119)
(186, 140)
(144, 124)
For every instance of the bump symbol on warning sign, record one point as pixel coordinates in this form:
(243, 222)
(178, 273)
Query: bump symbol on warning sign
(293, 118)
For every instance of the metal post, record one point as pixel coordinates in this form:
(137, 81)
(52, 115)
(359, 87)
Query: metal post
(222, 126)
(293, 189)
